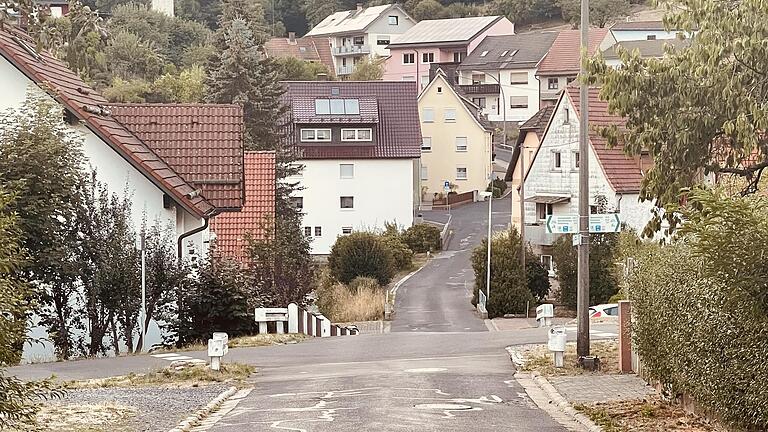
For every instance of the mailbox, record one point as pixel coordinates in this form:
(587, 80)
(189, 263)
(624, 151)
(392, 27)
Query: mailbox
(225, 340)
(215, 348)
(556, 344)
(544, 314)
(218, 346)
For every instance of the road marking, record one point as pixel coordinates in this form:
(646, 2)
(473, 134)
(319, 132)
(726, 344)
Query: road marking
(171, 357)
(426, 370)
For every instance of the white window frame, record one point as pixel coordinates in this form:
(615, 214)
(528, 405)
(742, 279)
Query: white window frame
(518, 105)
(314, 135)
(447, 118)
(575, 160)
(409, 78)
(548, 211)
(411, 56)
(347, 230)
(394, 21)
(342, 175)
(512, 80)
(341, 202)
(427, 57)
(357, 135)
(462, 147)
(551, 267)
(318, 231)
(551, 81)
(466, 173)
(308, 231)
(424, 146)
(430, 118)
(557, 165)
(424, 172)
(383, 40)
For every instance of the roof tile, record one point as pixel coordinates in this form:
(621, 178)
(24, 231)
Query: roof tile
(563, 56)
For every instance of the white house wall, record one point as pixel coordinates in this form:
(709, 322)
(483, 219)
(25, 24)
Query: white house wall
(383, 191)
(637, 35)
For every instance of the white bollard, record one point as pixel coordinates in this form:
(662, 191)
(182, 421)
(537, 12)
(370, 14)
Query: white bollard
(293, 318)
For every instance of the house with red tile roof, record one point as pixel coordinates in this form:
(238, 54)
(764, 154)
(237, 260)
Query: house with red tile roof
(181, 164)
(231, 230)
(561, 64)
(359, 144)
(308, 49)
(552, 182)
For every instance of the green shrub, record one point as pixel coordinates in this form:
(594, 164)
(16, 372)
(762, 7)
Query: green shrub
(401, 254)
(509, 291)
(603, 281)
(498, 185)
(700, 324)
(422, 238)
(362, 283)
(538, 277)
(361, 254)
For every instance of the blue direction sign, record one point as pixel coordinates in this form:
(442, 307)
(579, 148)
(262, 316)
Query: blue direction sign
(447, 186)
(604, 223)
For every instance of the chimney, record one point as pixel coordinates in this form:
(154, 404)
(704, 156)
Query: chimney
(359, 7)
(292, 38)
(322, 77)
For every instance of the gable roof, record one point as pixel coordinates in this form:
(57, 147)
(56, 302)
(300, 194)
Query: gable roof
(88, 106)
(639, 25)
(623, 172)
(563, 56)
(395, 116)
(351, 21)
(201, 142)
(445, 31)
(307, 48)
(473, 110)
(537, 124)
(231, 228)
(520, 51)
(646, 48)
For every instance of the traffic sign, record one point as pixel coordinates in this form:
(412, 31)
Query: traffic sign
(604, 223)
(565, 224)
(447, 186)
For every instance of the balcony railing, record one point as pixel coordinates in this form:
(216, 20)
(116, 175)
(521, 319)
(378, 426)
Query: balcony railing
(480, 89)
(537, 235)
(351, 50)
(344, 70)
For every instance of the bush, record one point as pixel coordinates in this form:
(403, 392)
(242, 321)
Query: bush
(603, 282)
(509, 292)
(538, 277)
(361, 254)
(401, 254)
(339, 304)
(423, 238)
(700, 321)
(498, 185)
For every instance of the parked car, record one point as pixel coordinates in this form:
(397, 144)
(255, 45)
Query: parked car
(604, 310)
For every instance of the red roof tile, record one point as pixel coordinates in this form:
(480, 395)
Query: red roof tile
(397, 133)
(623, 172)
(89, 106)
(563, 56)
(231, 228)
(202, 142)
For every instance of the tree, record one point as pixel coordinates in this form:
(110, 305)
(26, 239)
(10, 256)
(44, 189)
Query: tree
(130, 57)
(699, 110)
(361, 254)
(122, 91)
(603, 283)
(252, 12)
(293, 69)
(601, 12)
(427, 9)
(318, 10)
(187, 86)
(41, 160)
(526, 11)
(368, 70)
(509, 291)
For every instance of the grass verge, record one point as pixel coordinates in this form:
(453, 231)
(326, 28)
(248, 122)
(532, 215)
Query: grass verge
(188, 375)
(649, 415)
(539, 358)
(81, 418)
(258, 340)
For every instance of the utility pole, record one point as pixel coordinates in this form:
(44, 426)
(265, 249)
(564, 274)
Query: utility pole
(582, 303)
(522, 210)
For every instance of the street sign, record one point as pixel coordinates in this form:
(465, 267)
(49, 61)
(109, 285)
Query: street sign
(576, 239)
(565, 224)
(604, 223)
(447, 186)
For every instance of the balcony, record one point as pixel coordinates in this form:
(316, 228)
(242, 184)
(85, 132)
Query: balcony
(346, 50)
(537, 235)
(480, 89)
(344, 70)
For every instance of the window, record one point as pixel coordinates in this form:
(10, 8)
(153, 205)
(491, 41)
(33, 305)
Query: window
(593, 209)
(518, 101)
(552, 83)
(546, 261)
(518, 78)
(461, 144)
(393, 19)
(297, 202)
(426, 144)
(318, 231)
(439, 90)
(409, 78)
(557, 160)
(566, 116)
(575, 160)
(650, 37)
(347, 202)
(356, 135)
(358, 40)
(346, 171)
(428, 57)
(308, 231)
(461, 173)
(424, 81)
(382, 40)
(428, 115)
(479, 102)
(505, 52)
(346, 230)
(337, 106)
(478, 79)
(512, 54)
(570, 80)
(484, 53)
(449, 115)
(315, 135)
(543, 210)
(424, 173)
(409, 58)
(612, 311)
(458, 56)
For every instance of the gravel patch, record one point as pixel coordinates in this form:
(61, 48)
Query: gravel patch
(158, 409)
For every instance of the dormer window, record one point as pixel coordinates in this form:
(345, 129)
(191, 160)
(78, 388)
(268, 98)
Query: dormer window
(337, 106)
(504, 53)
(356, 134)
(484, 53)
(315, 135)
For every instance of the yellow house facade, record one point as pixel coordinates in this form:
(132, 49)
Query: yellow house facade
(457, 141)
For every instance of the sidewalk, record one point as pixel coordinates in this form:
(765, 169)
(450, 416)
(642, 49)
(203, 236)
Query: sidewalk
(601, 388)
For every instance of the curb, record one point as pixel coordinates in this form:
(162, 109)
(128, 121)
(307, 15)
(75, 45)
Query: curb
(555, 399)
(190, 422)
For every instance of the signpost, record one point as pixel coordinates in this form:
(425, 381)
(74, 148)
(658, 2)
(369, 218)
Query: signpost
(566, 224)
(447, 186)
(569, 224)
(602, 223)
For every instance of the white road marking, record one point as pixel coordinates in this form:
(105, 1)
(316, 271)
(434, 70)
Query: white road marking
(426, 370)
(164, 355)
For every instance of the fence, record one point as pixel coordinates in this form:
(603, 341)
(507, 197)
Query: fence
(299, 320)
(454, 199)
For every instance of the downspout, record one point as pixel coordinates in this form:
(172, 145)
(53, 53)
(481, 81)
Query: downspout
(618, 203)
(192, 232)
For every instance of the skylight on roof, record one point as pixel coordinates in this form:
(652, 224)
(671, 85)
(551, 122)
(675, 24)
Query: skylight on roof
(504, 53)
(484, 53)
(337, 106)
(513, 53)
